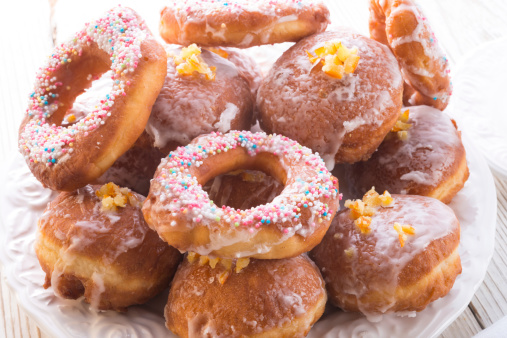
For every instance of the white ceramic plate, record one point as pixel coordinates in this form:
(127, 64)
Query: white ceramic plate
(23, 199)
(477, 102)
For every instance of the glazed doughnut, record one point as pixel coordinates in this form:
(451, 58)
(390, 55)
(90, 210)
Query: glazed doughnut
(344, 119)
(402, 26)
(241, 23)
(431, 161)
(190, 105)
(94, 247)
(67, 158)
(293, 223)
(243, 189)
(268, 298)
(246, 65)
(136, 167)
(405, 258)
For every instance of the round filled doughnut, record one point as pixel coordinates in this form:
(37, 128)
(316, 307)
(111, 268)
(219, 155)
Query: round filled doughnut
(246, 65)
(241, 23)
(136, 167)
(67, 157)
(382, 256)
(267, 298)
(338, 93)
(427, 158)
(94, 242)
(295, 221)
(202, 92)
(402, 26)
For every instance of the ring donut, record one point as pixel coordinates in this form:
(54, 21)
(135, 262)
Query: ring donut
(181, 212)
(68, 157)
(241, 23)
(402, 26)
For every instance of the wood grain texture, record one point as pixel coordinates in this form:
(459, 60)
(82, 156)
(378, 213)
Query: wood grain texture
(460, 25)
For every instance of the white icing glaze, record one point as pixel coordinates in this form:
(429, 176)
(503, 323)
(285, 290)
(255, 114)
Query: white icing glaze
(379, 252)
(119, 34)
(189, 106)
(230, 112)
(432, 148)
(212, 14)
(296, 88)
(90, 99)
(174, 190)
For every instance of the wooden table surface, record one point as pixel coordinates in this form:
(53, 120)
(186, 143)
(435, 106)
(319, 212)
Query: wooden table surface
(27, 30)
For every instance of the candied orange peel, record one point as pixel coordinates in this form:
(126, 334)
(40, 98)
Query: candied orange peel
(361, 211)
(112, 197)
(227, 263)
(71, 118)
(402, 125)
(403, 231)
(219, 51)
(336, 59)
(189, 61)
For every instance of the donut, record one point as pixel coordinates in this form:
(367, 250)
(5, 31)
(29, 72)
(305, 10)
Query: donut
(343, 116)
(94, 242)
(243, 189)
(245, 64)
(293, 223)
(196, 100)
(68, 157)
(136, 167)
(386, 254)
(401, 25)
(267, 298)
(241, 23)
(428, 159)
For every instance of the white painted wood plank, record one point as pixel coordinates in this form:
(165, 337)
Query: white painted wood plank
(464, 326)
(490, 301)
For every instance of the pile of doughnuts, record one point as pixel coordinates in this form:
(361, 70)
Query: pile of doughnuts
(230, 214)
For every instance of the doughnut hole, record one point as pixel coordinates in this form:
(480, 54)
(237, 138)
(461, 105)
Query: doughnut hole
(76, 76)
(243, 189)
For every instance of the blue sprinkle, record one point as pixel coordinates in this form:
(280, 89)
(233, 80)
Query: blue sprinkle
(263, 221)
(268, 221)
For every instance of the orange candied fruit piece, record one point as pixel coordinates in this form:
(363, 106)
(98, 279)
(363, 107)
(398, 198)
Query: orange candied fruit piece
(363, 223)
(219, 51)
(356, 208)
(402, 125)
(242, 263)
(361, 211)
(403, 231)
(336, 58)
(190, 61)
(112, 196)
